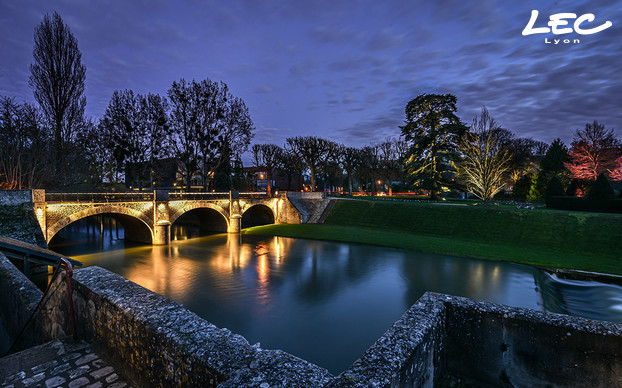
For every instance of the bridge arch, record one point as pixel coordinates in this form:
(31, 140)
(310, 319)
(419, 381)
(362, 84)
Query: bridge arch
(212, 218)
(258, 214)
(138, 227)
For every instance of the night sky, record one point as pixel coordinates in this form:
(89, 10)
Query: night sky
(343, 70)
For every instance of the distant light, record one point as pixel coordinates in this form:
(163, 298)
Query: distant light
(39, 212)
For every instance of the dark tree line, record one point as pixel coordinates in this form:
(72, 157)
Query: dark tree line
(331, 165)
(201, 125)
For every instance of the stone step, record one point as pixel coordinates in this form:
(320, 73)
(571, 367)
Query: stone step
(63, 362)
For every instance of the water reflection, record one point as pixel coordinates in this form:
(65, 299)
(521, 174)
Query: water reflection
(322, 301)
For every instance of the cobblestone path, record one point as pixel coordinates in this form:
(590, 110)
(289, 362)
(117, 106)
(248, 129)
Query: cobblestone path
(60, 363)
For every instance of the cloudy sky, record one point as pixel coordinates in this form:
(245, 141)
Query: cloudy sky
(343, 70)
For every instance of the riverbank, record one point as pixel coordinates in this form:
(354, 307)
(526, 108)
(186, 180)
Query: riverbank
(550, 238)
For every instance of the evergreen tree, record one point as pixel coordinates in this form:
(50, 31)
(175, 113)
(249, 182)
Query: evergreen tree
(432, 130)
(555, 157)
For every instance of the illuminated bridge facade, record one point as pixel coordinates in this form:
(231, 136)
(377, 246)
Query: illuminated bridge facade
(147, 217)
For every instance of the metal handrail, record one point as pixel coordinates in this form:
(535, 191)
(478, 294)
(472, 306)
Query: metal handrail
(34, 253)
(69, 274)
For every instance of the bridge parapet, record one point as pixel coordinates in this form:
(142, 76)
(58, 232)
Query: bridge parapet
(98, 197)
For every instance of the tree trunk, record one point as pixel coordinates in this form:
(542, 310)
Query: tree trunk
(204, 174)
(312, 178)
(350, 183)
(188, 177)
(269, 186)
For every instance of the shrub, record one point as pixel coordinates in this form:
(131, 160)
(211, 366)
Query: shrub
(601, 190)
(568, 203)
(521, 186)
(615, 206)
(554, 188)
(600, 195)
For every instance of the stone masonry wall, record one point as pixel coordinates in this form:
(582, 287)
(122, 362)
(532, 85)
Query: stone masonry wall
(19, 299)
(409, 354)
(496, 345)
(18, 219)
(158, 342)
(15, 197)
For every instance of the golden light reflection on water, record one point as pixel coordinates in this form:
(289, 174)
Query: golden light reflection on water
(175, 269)
(263, 274)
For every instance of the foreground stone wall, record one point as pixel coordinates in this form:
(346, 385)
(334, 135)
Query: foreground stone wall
(158, 342)
(440, 341)
(489, 344)
(408, 354)
(19, 299)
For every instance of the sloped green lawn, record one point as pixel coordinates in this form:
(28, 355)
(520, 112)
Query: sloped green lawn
(552, 238)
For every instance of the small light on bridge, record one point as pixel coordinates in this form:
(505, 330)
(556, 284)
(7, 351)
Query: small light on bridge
(39, 212)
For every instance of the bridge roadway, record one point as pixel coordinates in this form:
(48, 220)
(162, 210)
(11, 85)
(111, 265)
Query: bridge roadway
(147, 217)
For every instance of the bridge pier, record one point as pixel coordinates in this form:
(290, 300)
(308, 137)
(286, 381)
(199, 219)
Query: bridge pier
(235, 223)
(162, 233)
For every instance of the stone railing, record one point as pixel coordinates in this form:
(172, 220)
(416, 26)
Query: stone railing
(98, 197)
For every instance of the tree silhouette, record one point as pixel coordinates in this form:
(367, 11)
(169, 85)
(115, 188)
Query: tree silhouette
(432, 130)
(312, 150)
(269, 157)
(57, 79)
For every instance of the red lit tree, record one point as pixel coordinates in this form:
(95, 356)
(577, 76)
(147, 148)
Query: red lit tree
(595, 150)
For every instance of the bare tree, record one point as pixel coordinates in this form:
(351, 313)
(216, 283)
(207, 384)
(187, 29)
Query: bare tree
(57, 78)
(594, 150)
(123, 126)
(330, 167)
(23, 154)
(183, 119)
(391, 153)
(269, 157)
(312, 150)
(210, 127)
(350, 162)
(156, 129)
(485, 160)
(294, 166)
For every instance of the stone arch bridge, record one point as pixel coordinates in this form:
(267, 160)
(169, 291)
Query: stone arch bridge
(147, 217)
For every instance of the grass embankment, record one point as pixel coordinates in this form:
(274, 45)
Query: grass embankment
(586, 241)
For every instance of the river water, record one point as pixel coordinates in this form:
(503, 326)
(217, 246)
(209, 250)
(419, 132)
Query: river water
(323, 301)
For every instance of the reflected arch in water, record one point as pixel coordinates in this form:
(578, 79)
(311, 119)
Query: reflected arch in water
(257, 215)
(137, 227)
